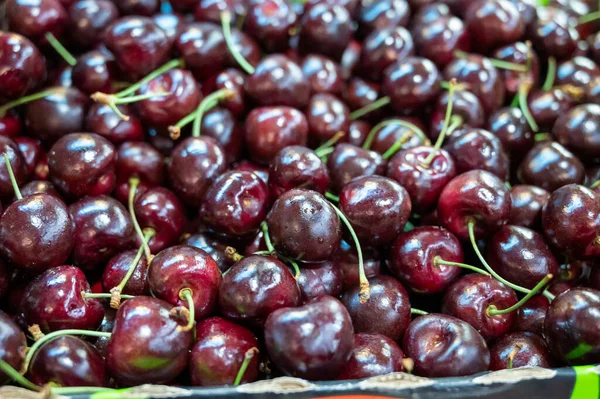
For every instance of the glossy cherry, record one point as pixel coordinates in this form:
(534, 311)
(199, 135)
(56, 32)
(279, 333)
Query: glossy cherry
(323, 74)
(24, 67)
(118, 266)
(102, 120)
(270, 22)
(518, 53)
(346, 260)
(326, 115)
(88, 20)
(520, 349)
(203, 48)
(530, 317)
(494, 23)
(379, 15)
(213, 246)
(550, 166)
(233, 80)
(511, 128)
(439, 38)
(547, 106)
(466, 109)
(553, 34)
(222, 125)
(411, 83)
(94, 71)
(294, 167)
(325, 29)
(141, 160)
(382, 48)
(578, 130)
(318, 279)
(527, 204)
(13, 344)
(372, 355)
(34, 19)
(348, 161)
(390, 131)
(17, 164)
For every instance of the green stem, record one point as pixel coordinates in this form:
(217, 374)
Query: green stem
(25, 100)
(165, 68)
(418, 311)
(371, 136)
(542, 136)
(551, 75)
(60, 49)
(209, 102)
(523, 93)
(511, 357)
(13, 180)
(330, 143)
(332, 197)
(294, 265)
(595, 184)
(133, 185)
(17, 377)
(141, 97)
(500, 64)
(442, 136)
(186, 295)
(247, 359)
(359, 113)
(439, 261)
(589, 17)
(492, 310)
(267, 237)
(226, 24)
(90, 295)
(397, 146)
(149, 233)
(324, 153)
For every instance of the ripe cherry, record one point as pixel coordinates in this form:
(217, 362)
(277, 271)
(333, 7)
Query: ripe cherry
(520, 349)
(550, 166)
(297, 166)
(372, 355)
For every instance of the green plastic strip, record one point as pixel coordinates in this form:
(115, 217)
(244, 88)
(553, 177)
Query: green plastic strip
(587, 383)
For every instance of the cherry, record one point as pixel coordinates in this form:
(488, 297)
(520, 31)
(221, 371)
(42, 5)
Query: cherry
(10, 124)
(323, 74)
(349, 161)
(305, 211)
(260, 171)
(94, 71)
(234, 81)
(13, 344)
(530, 317)
(297, 167)
(547, 106)
(326, 116)
(578, 130)
(119, 265)
(210, 10)
(24, 67)
(510, 126)
(359, 93)
(519, 53)
(593, 92)
(553, 34)
(55, 301)
(290, 339)
(220, 352)
(428, 12)
(347, 261)
(527, 204)
(383, 48)
(411, 83)
(414, 257)
(520, 349)
(269, 129)
(270, 22)
(171, 24)
(141, 160)
(494, 23)
(18, 167)
(34, 19)
(326, 29)
(222, 125)
(318, 279)
(571, 221)
(466, 111)
(570, 326)
(577, 72)
(255, 287)
(34, 155)
(148, 343)
(372, 355)
(194, 164)
(379, 15)
(212, 246)
(386, 134)
(444, 346)
(139, 7)
(550, 166)
(68, 361)
(203, 49)
(103, 228)
(138, 44)
(88, 20)
(437, 39)
(102, 120)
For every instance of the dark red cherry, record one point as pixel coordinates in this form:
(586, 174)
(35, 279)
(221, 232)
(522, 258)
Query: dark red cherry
(383, 48)
(318, 279)
(391, 131)
(297, 167)
(378, 15)
(247, 47)
(23, 66)
(412, 259)
(139, 7)
(172, 24)
(57, 114)
(32, 152)
(234, 81)
(326, 115)
(320, 359)
(518, 53)
(346, 260)
(94, 72)
(212, 246)
(349, 161)
(255, 287)
(350, 5)
(476, 196)
(571, 326)
(372, 355)
(444, 346)
(137, 159)
(138, 44)
(40, 187)
(13, 344)
(579, 130)
(88, 20)
(103, 228)
(271, 23)
(270, 129)
(147, 345)
(527, 204)
(277, 80)
(577, 72)
(547, 106)
(358, 93)
(326, 29)
(210, 10)
(411, 84)
(423, 182)
(305, 212)
(439, 38)
(118, 266)
(10, 124)
(323, 74)
(55, 301)
(386, 312)
(530, 317)
(194, 164)
(203, 48)
(519, 349)
(571, 221)
(223, 126)
(18, 166)
(235, 204)
(428, 12)
(260, 171)
(550, 166)
(102, 120)
(219, 352)
(34, 18)
(511, 128)
(68, 361)
(553, 34)
(494, 23)
(465, 106)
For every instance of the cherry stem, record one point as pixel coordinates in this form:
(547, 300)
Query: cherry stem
(331, 196)
(267, 237)
(226, 24)
(233, 254)
(293, 263)
(397, 146)
(90, 295)
(55, 334)
(165, 68)
(133, 185)
(382, 102)
(250, 353)
(408, 364)
(439, 261)
(186, 295)
(500, 64)
(13, 180)
(195, 116)
(365, 291)
(589, 17)
(551, 75)
(418, 311)
(542, 136)
(442, 136)
(141, 97)
(324, 153)
(511, 356)
(25, 100)
(60, 49)
(16, 376)
(330, 143)
(471, 228)
(528, 61)
(371, 136)
(595, 184)
(492, 310)
(523, 93)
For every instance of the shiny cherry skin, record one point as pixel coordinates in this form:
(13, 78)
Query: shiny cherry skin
(255, 287)
(160, 209)
(326, 29)
(323, 74)
(530, 317)
(476, 195)
(494, 23)
(290, 339)
(377, 207)
(233, 80)
(326, 115)
(33, 153)
(511, 128)
(358, 93)
(346, 260)
(118, 266)
(428, 12)
(88, 20)
(424, 183)
(139, 7)
(270, 129)
(379, 15)
(260, 171)
(517, 53)
(180, 267)
(54, 301)
(383, 48)
(547, 106)
(56, 115)
(34, 18)
(11, 124)
(193, 166)
(222, 125)
(412, 259)
(318, 279)
(577, 72)
(147, 345)
(17, 163)
(386, 136)
(137, 57)
(24, 67)
(297, 166)
(438, 39)
(235, 204)
(464, 104)
(103, 228)
(372, 355)
(527, 204)
(94, 72)
(553, 34)
(102, 120)
(270, 22)
(13, 344)
(510, 253)
(32, 246)
(218, 353)
(579, 130)
(550, 166)
(411, 83)
(203, 48)
(247, 46)
(444, 346)
(531, 352)
(570, 326)
(210, 10)
(571, 221)
(172, 24)
(348, 161)
(213, 246)
(40, 187)
(75, 172)
(386, 312)
(305, 211)
(138, 159)
(70, 362)
(278, 81)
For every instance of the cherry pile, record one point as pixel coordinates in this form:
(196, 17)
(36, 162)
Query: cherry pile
(214, 192)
